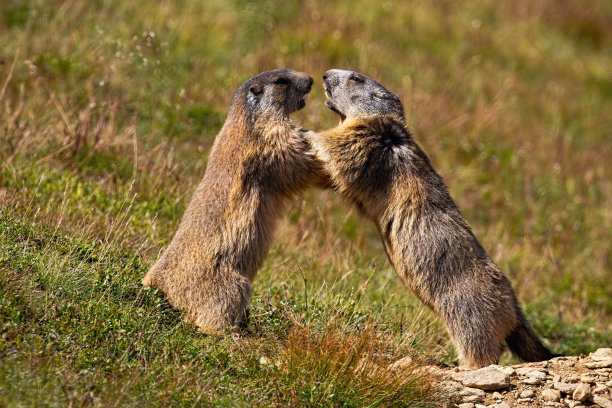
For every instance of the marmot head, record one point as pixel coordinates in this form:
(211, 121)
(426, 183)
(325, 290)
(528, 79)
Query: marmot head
(274, 93)
(351, 94)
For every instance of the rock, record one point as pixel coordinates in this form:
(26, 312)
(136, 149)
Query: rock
(524, 400)
(601, 354)
(466, 405)
(587, 378)
(581, 393)
(451, 385)
(401, 364)
(500, 405)
(471, 395)
(601, 401)
(532, 381)
(609, 384)
(555, 377)
(565, 387)
(509, 371)
(487, 378)
(553, 404)
(497, 396)
(572, 378)
(551, 395)
(264, 360)
(599, 388)
(529, 369)
(472, 398)
(457, 376)
(527, 394)
(540, 375)
(604, 363)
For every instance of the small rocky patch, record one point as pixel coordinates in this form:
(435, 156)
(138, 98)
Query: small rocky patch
(573, 382)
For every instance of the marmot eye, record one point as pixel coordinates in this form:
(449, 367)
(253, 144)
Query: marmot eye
(356, 78)
(282, 81)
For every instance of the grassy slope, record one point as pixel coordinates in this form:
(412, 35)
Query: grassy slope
(108, 110)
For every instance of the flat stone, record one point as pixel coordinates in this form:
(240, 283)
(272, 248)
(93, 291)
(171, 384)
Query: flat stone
(601, 401)
(457, 376)
(527, 394)
(551, 395)
(472, 391)
(565, 387)
(572, 378)
(582, 392)
(509, 371)
(451, 385)
(487, 378)
(601, 354)
(609, 384)
(599, 388)
(540, 375)
(604, 363)
(469, 394)
(532, 381)
(553, 404)
(466, 405)
(587, 378)
(500, 405)
(529, 369)
(472, 398)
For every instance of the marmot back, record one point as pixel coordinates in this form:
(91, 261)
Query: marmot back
(258, 161)
(373, 160)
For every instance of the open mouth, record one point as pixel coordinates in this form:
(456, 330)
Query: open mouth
(328, 92)
(329, 102)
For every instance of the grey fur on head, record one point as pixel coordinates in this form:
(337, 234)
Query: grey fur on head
(351, 94)
(263, 96)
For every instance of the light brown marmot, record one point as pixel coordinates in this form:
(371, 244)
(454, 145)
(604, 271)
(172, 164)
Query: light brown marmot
(259, 160)
(374, 162)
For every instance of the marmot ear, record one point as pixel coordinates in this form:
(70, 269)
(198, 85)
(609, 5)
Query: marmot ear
(256, 89)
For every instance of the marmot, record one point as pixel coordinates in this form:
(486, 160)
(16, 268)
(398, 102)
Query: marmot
(259, 159)
(373, 161)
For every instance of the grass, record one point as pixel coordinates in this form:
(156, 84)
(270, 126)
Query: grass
(108, 110)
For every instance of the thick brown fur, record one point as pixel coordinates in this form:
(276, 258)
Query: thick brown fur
(258, 161)
(374, 162)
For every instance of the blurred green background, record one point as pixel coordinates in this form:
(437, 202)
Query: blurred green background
(108, 110)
